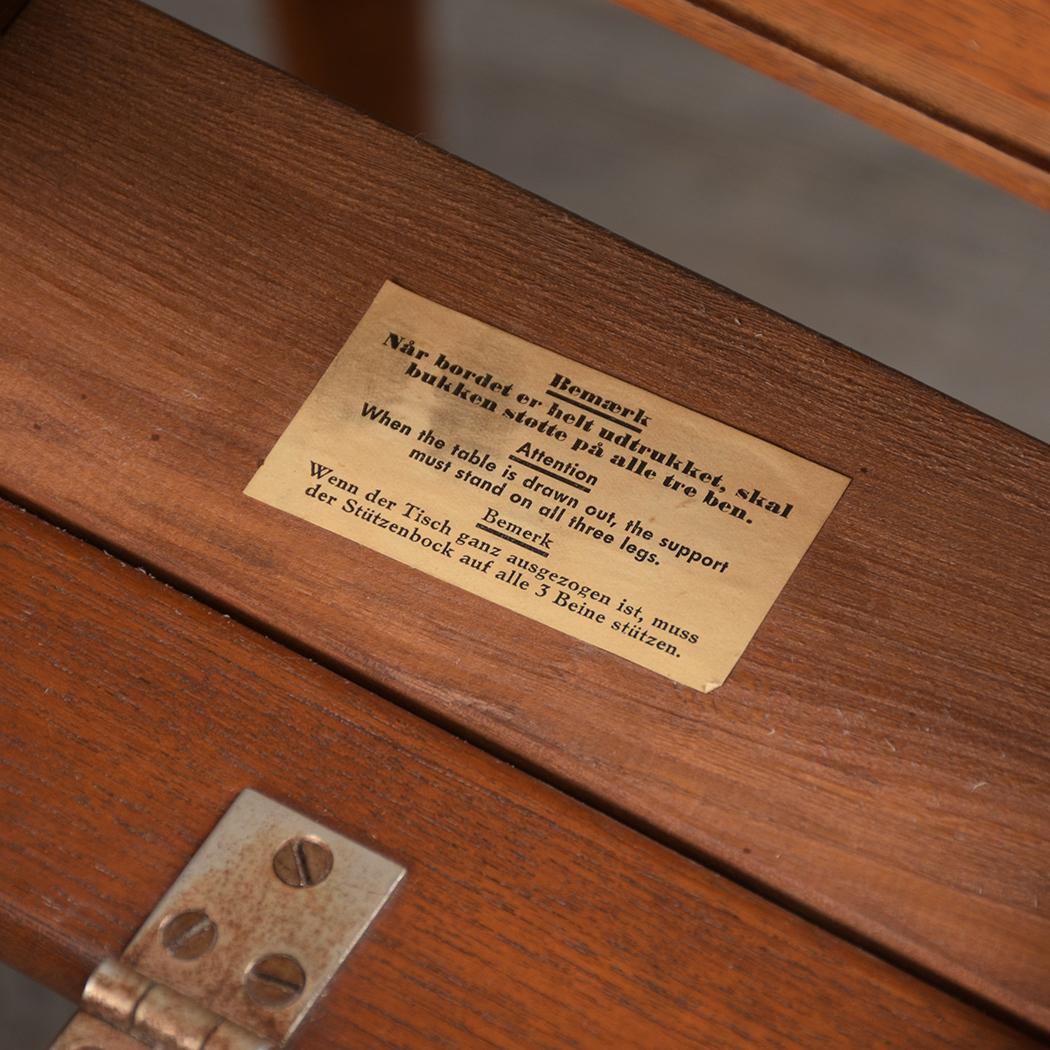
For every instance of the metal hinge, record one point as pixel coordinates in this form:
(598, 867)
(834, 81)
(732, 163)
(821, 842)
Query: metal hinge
(246, 939)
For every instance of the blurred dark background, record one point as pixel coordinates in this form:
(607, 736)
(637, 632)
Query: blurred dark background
(716, 167)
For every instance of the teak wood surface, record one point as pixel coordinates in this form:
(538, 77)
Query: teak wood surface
(133, 715)
(189, 237)
(965, 80)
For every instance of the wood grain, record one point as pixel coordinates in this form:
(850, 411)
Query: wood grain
(189, 238)
(965, 81)
(132, 717)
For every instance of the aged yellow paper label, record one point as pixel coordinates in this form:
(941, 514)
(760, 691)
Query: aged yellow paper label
(550, 488)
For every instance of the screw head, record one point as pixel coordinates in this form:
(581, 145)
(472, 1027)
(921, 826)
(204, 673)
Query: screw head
(302, 862)
(275, 980)
(189, 934)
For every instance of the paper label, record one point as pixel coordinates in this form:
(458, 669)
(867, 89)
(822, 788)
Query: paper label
(564, 494)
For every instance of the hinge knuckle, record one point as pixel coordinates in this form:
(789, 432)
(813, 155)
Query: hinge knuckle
(157, 1016)
(113, 992)
(169, 1021)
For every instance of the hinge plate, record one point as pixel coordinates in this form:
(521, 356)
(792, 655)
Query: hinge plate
(256, 925)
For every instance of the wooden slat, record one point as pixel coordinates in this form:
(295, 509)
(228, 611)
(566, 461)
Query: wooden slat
(189, 238)
(967, 81)
(132, 716)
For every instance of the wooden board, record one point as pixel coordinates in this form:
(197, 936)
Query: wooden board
(133, 715)
(188, 239)
(966, 81)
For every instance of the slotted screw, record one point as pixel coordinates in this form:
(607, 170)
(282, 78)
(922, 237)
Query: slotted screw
(275, 980)
(189, 935)
(302, 862)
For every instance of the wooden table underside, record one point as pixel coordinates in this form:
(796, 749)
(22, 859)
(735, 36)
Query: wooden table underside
(967, 81)
(188, 239)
